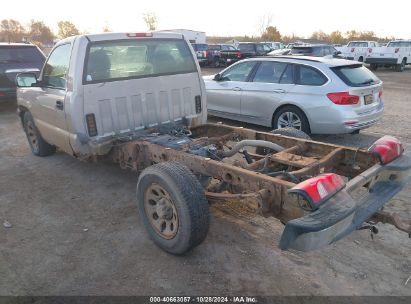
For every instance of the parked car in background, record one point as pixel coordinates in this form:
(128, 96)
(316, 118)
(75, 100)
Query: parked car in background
(218, 54)
(314, 94)
(316, 50)
(274, 45)
(279, 52)
(357, 50)
(201, 52)
(396, 54)
(252, 49)
(17, 58)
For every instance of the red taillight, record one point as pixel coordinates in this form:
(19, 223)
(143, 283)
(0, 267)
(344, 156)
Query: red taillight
(317, 190)
(205, 53)
(139, 35)
(397, 50)
(343, 98)
(2, 94)
(369, 50)
(238, 55)
(386, 149)
(352, 50)
(380, 93)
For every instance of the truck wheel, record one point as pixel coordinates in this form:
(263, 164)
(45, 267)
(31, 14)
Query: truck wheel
(400, 67)
(291, 132)
(373, 66)
(361, 59)
(173, 207)
(216, 62)
(38, 145)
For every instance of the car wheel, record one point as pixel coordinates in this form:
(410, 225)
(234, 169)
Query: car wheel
(290, 132)
(373, 66)
(400, 67)
(38, 145)
(173, 207)
(216, 62)
(291, 117)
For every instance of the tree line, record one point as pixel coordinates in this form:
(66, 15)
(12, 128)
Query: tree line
(39, 33)
(36, 31)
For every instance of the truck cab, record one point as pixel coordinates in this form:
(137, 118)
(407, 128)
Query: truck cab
(96, 88)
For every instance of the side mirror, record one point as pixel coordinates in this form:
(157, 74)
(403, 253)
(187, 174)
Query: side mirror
(24, 80)
(218, 77)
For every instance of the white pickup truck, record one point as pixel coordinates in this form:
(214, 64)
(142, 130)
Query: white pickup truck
(396, 54)
(138, 99)
(357, 50)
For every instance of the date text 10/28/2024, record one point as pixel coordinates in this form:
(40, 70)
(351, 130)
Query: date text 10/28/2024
(238, 299)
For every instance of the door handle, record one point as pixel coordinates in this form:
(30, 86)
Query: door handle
(59, 105)
(279, 91)
(236, 89)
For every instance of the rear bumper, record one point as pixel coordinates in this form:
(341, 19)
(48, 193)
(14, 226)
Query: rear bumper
(376, 60)
(341, 215)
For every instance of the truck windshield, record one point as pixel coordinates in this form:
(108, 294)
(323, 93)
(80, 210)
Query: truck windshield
(20, 54)
(356, 75)
(115, 60)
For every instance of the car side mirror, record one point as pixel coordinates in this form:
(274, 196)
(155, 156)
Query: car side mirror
(218, 77)
(24, 80)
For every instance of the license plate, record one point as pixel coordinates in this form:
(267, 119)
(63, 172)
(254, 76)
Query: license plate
(368, 99)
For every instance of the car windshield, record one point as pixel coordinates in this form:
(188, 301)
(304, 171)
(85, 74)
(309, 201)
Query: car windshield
(356, 75)
(200, 47)
(247, 47)
(20, 54)
(301, 50)
(399, 44)
(358, 44)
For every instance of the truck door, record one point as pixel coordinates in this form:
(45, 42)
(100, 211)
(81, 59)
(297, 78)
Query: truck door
(48, 105)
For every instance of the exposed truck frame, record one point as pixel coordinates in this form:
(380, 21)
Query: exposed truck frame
(270, 195)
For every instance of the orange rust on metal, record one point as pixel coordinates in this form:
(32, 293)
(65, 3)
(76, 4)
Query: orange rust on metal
(292, 159)
(323, 163)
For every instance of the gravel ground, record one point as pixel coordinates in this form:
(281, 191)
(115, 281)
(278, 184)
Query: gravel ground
(75, 231)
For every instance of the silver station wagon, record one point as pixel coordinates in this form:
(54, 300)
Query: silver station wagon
(312, 94)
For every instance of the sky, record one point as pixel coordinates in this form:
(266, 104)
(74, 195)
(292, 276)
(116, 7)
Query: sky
(221, 17)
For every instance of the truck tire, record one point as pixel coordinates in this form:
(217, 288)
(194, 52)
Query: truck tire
(38, 145)
(216, 62)
(373, 66)
(400, 67)
(173, 207)
(361, 59)
(291, 132)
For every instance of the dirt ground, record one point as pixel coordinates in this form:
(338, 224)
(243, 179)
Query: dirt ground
(75, 231)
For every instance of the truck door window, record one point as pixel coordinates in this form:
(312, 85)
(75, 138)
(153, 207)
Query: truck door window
(128, 59)
(55, 70)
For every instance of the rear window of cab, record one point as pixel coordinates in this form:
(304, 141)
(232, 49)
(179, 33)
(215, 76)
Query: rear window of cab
(130, 59)
(356, 75)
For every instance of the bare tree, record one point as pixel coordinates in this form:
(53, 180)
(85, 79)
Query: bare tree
(263, 23)
(151, 21)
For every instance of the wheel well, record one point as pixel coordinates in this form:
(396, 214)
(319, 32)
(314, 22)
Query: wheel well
(21, 111)
(288, 105)
(405, 60)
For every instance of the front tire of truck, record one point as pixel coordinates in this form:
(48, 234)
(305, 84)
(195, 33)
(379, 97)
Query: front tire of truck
(173, 207)
(373, 66)
(38, 145)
